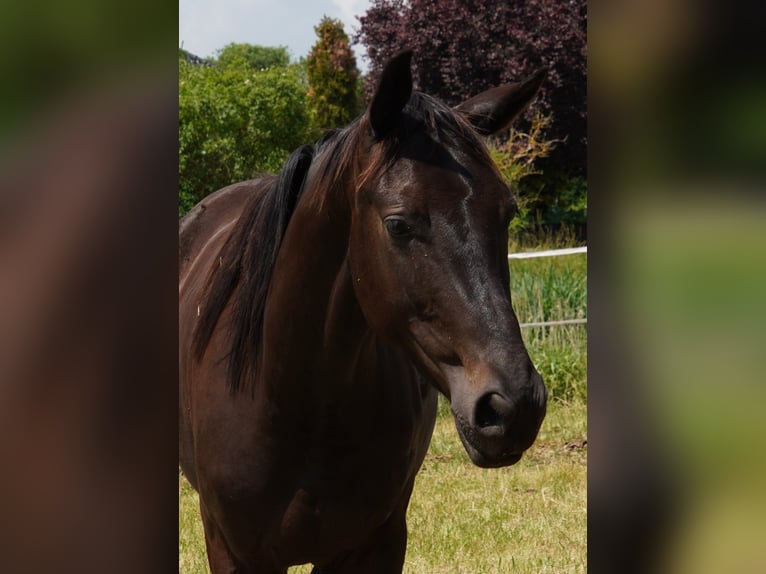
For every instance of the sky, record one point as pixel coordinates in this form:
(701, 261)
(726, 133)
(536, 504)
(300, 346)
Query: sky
(208, 25)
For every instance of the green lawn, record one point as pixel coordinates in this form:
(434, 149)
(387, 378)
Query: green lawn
(552, 289)
(526, 518)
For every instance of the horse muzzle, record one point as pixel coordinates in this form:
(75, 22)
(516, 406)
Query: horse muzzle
(498, 426)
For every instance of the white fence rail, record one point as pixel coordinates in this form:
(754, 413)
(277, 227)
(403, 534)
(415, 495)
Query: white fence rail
(550, 253)
(554, 323)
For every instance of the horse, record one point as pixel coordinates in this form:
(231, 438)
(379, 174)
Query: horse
(321, 311)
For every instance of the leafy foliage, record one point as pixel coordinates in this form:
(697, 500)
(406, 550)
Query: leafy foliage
(235, 122)
(462, 48)
(333, 76)
(517, 156)
(547, 199)
(257, 57)
(550, 200)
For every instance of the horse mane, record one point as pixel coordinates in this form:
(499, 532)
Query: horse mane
(248, 256)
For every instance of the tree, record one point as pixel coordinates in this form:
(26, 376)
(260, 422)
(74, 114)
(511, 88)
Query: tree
(465, 46)
(257, 57)
(332, 76)
(236, 122)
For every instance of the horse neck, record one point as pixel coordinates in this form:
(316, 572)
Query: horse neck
(314, 332)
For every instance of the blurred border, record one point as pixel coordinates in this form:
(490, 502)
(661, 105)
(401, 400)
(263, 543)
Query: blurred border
(88, 216)
(88, 287)
(677, 272)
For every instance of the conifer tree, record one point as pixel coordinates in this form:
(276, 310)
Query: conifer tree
(332, 76)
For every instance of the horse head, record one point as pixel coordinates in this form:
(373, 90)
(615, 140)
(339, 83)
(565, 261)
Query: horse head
(428, 256)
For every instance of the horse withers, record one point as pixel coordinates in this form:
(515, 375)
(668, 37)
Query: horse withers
(323, 308)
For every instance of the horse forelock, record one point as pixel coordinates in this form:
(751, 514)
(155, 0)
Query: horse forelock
(352, 155)
(427, 116)
(446, 126)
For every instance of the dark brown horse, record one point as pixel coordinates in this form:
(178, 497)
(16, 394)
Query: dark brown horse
(321, 311)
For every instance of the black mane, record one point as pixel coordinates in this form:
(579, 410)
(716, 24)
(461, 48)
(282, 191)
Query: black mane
(247, 259)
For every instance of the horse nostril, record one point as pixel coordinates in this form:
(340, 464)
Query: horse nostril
(493, 410)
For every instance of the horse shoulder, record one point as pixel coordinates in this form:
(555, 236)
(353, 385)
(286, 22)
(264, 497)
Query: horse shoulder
(202, 233)
(219, 210)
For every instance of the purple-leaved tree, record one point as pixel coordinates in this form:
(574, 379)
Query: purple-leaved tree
(462, 47)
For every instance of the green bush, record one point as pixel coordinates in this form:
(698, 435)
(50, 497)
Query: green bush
(558, 198)
(257, 57)
(516, 156)
(236, 122)
(547, 197)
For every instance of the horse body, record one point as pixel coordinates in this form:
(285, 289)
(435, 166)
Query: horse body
(308, 382)
(343, 457)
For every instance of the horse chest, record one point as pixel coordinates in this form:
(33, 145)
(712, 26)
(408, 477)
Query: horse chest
(352, 484)
(342, 501)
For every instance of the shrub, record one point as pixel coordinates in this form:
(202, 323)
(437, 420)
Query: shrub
(256, 57)
(516, 155)
(556, 200)
(236, 122)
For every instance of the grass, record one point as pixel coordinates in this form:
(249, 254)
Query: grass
(550, 289)
(527, 518)
(192, 557)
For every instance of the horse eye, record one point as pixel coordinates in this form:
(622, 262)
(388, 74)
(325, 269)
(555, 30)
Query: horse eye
(397, 227)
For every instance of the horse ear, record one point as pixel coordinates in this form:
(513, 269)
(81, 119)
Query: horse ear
(392, 94)
(494, 109)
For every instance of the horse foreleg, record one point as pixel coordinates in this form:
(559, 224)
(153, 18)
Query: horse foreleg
(384, 550)
(221, 559)
(218, 555)
(382, 554)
